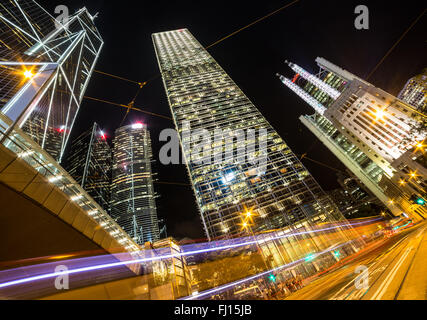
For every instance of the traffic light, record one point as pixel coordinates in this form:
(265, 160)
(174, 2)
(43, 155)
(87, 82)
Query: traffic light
(418, 200)
(310, 257)
(421, 201)
(337, 253)
(272, 278)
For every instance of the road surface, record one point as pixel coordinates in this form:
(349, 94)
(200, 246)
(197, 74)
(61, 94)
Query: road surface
(396, 270)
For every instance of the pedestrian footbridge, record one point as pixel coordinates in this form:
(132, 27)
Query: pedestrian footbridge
(44, 212)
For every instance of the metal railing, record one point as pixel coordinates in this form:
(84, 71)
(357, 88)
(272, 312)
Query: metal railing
(28, 150)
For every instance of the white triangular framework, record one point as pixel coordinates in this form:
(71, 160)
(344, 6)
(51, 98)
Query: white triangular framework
(62, 60)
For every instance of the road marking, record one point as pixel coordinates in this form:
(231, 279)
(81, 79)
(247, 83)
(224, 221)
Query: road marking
(409, 267)
(420, 233)
(381, 257)
(383, 288)
(360, 294)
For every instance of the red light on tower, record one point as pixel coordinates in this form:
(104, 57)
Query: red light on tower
(103, 135)
(295, 78)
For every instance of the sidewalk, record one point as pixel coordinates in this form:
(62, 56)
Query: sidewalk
(415, 284)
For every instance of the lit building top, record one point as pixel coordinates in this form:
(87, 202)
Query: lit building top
(374, 120)
(371, 131)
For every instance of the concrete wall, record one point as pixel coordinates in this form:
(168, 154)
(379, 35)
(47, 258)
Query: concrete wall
(28, 231)
(38, 219)
(135, 288)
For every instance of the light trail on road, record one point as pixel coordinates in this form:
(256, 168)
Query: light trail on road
(171, 256)
(235, 283)
(381, 258)
(394, 269)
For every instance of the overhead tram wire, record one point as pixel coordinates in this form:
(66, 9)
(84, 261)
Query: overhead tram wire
(309, 149)
(181, 184)
(116, 77)
(124, 106)
(214, 44)
(127, 106)
(252, 23)
(304, 156)
(208, 47)
(143, 84)
(395, 44)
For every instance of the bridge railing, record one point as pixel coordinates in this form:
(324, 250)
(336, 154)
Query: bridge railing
(26, 149)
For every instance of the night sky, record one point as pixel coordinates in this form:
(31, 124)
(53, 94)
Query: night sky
(300, 33)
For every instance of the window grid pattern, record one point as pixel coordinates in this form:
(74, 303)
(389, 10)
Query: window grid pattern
(133, 198)
(200, 92)
(31, 41)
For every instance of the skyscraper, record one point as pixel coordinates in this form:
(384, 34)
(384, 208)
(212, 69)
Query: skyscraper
(133, 198)
(352, 199)
(367, 128)
(89, 162)
(415, 91)
(45, 69)
(202, 94)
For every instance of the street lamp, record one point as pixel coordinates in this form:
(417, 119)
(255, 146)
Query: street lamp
(413, 174)
(419, 146)
(28, 74)
(379, 114)
(247, 216)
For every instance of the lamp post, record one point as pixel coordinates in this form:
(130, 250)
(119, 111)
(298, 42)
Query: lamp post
(246, 225)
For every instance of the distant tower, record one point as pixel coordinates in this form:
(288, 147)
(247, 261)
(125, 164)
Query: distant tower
(89, 163)
(133, 198)
(45, 68)
(415, 92)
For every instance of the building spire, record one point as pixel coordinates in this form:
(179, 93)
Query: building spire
(316, 105)
(321, 85)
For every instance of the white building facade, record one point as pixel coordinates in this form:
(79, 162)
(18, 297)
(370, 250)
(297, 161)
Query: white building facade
(367, 128)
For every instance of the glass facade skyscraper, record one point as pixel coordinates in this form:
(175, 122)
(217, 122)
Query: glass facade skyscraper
(201, 93)
(89, 162)
(45, 69)
(133, 198)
